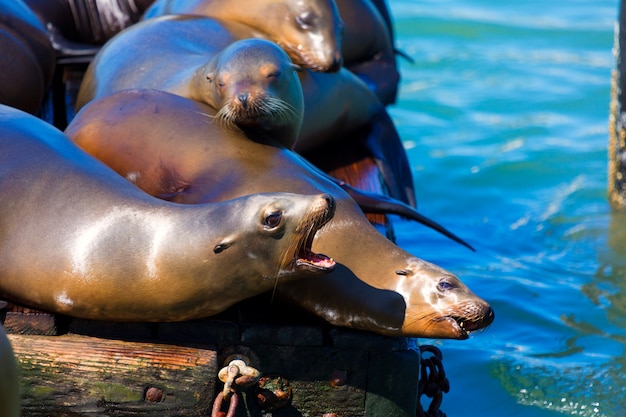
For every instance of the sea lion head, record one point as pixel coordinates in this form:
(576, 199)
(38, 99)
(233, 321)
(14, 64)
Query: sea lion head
(254, 84)
(278, 226)
(309, 30)
(438, 304)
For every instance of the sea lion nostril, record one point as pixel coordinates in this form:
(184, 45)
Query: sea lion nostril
(330, 201)
(243, 99)
(490, 316)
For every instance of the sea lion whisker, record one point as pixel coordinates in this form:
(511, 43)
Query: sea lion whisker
(278, 109)
(226, 117)
(207, 115)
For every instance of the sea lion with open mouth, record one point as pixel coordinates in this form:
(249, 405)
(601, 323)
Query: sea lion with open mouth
(78, 239)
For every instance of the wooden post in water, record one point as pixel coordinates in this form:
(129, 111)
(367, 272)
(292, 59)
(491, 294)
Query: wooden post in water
(617, 118)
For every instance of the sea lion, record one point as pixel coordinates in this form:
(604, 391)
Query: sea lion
(167, 145)
(29, 58)
(79, 240)
(9, 382)
(180, 54)
(251, 81)
(309, 31)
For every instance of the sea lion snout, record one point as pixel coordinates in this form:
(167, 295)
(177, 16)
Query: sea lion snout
(444, 307)
(336, 62)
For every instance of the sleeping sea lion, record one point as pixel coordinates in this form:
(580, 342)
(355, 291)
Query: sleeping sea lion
(167, 145)
(251, 81)
(309, 31)
(78, 239)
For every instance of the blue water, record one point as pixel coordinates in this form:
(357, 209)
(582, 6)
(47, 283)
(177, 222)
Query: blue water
(504, 114)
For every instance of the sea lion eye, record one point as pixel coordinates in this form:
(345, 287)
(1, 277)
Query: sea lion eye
(445, 285)
(305, 20)
(273, 220)
(274, 74)
(221, 247)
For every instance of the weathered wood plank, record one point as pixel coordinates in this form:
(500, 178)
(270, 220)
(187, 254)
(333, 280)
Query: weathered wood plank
(85, 375)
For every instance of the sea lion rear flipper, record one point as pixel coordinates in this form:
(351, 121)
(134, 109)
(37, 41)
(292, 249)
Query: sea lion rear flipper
(377, 203)
(386, 148)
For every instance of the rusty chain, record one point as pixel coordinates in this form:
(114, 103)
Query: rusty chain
(232, 406)
(432, 383)
(235, 376)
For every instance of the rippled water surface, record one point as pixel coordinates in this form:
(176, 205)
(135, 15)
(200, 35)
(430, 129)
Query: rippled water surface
(504, 114)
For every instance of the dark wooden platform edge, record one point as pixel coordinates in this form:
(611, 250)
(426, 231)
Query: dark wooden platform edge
(75, 368)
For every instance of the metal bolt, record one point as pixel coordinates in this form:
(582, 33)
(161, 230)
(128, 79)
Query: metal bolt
(154, 395)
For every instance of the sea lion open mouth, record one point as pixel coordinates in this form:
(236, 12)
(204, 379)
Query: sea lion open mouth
(466, 325)
(305, 257)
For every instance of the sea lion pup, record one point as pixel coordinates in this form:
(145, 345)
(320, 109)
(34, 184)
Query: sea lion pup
(78, 239)
(28, 57)
(309, 31)
(210, 61)
(167, 145)
(9, 382)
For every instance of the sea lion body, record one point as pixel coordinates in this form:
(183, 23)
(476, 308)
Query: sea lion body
(177, 153)
(367, 47)
(9, 381)
(28, 57)
(77, 239)
(309, 31)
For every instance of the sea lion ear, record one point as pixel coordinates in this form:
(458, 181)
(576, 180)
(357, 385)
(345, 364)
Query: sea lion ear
(221, 247)
(297, 67)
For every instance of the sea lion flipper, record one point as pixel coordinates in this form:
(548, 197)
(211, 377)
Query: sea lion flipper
(386, 148)
(376, 203)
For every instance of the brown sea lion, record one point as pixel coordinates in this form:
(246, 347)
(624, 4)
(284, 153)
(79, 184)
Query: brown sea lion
(78, 239)
(251, 81)
(167, 145)
(180, 54)
(28, 58)
(9, 382)
(309, 31)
